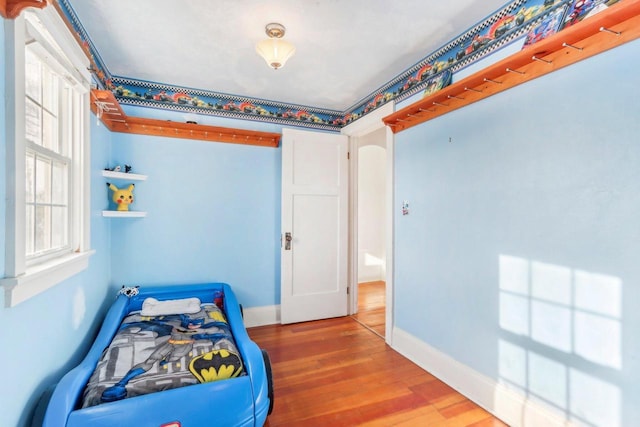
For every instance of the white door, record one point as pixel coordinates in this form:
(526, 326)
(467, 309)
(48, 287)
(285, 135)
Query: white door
(314, 226)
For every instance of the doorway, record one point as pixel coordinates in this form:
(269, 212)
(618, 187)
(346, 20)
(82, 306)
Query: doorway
(371, 223)
(370, 130)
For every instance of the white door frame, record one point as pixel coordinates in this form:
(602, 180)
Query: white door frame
(370, 123)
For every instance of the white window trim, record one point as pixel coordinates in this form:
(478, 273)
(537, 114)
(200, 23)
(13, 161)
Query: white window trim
(22, 282)
(43, 276)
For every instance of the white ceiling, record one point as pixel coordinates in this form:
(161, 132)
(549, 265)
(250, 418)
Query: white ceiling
(345, 49)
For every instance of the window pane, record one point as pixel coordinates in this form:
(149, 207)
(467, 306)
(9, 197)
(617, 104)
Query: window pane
(30, 171)
(59, 227)
(50, 131)
(43, 228)
(49, 90)
(43, 180)
(65, 121)
(32, 75)
(29, 220)
(60, 184)
(33, 120)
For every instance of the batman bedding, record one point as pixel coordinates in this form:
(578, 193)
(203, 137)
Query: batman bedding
(167, 344)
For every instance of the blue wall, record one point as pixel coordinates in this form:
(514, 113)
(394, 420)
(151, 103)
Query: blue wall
(213, 215)
(519, 257)
(2, 148)
(45, 336)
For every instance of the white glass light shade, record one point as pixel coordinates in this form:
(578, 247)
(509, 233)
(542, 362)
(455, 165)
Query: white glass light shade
(275, 52)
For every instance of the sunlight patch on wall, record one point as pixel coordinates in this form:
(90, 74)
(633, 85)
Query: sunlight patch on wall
(370, 266)
(513, 364)
(594, 400)
(547, 379)
(514, 302)
(598, 335)
(556, 318)
(79, 309)
(598, 340)
(514, 313)
(551, 283)
(370, 259)
(599, 293)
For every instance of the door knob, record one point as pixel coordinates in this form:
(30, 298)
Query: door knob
(287, 241)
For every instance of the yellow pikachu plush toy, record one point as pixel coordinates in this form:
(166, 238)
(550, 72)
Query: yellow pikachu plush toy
(122, 197)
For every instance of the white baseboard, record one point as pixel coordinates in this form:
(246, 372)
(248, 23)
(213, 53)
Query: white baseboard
(507, 404)
(260, 316)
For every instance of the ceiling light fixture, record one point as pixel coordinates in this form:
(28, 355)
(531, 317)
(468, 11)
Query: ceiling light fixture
(274, 50)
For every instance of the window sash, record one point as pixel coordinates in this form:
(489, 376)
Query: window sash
(48, 223)
(48, 205)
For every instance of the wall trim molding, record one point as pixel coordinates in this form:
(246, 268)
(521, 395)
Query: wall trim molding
(410, 82)
(261, 316)
(107, 108)
(608, 29)
(509, 405)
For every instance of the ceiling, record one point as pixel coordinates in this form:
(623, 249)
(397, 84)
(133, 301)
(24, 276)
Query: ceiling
(345, 49)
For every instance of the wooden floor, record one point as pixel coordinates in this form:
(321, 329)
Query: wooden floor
(336, 372)
(371, 306)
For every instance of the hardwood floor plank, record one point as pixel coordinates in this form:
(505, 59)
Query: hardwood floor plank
(458, 408)
(371, 295)
(371, 306)
(336, 372)
(489, 422)
(420, 416)
(433, 391)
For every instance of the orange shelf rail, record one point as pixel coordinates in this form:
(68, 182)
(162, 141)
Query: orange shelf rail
(108, 110)
(10, 9)
(611, 28)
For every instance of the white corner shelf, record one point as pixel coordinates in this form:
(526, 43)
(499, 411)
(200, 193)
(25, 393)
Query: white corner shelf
(124, 214)
(123, 175)
(129, 177)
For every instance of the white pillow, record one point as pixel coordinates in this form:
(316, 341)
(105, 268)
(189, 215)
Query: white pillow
(153, 307)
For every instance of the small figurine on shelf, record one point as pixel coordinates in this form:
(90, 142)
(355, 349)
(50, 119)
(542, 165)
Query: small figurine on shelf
(127, 168)
(122, 197)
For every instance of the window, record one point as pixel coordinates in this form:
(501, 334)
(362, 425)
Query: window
(47, 235)
(48, 102)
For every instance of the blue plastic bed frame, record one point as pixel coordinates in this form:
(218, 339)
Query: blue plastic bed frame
(242, 401)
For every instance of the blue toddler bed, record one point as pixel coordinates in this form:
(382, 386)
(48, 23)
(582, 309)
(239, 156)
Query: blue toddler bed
(168, 356)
